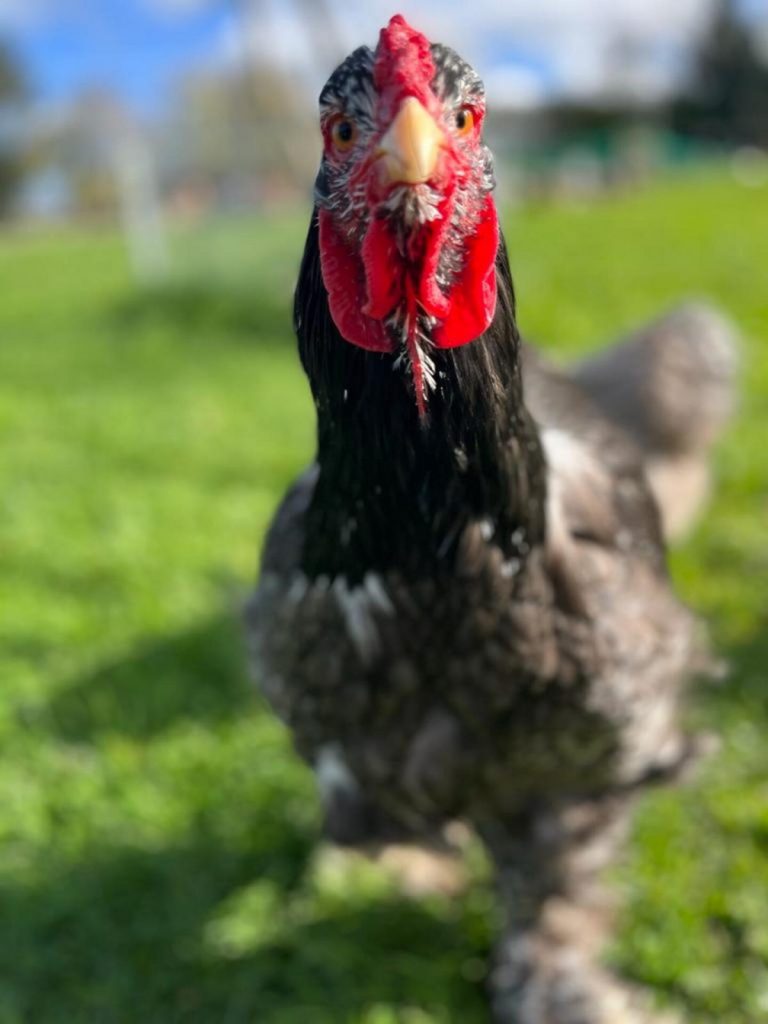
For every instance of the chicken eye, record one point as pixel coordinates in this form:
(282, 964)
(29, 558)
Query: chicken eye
(343, 133)
(465, 121)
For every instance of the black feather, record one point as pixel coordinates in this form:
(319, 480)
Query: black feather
(396, 491)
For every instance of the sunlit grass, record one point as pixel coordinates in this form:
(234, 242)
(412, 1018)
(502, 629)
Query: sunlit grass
(156, 832)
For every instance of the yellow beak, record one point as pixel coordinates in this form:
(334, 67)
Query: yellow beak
(410, 149)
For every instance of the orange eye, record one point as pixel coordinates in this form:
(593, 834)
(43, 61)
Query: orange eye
(343, 133)
(465, 121)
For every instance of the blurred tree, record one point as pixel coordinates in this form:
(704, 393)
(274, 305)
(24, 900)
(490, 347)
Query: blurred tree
(247, 129)
(727, 95)
(82, 143)
(13, 90)
(289, 120)
(239, 131)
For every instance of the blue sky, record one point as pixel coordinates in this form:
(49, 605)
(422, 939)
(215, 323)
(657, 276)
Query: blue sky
(128, 45)
(140, 47)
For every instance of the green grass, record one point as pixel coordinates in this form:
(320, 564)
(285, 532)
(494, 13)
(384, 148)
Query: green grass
(156, 833)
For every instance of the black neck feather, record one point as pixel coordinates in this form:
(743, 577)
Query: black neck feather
(395, 491)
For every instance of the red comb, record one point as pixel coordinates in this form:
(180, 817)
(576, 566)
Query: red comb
(404, 65)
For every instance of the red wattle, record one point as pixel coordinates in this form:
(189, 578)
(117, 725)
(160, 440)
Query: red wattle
(344, 280)
(384, 271)
(365, 288)
(473, 295)
(431, 298)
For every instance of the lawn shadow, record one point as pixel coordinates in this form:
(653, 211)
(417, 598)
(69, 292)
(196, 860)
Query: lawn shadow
(130, 935)
(198, 674)
(126, 933)
(202, 309)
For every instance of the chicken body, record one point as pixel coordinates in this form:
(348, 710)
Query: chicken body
(529, 687)
(464, 613)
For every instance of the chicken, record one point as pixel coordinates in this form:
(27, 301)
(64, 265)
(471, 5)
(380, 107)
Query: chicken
(671, 386)
(464, 612)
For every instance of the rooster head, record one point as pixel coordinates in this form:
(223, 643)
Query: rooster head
(407, 225)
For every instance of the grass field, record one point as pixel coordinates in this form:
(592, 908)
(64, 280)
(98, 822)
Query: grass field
(156, 833)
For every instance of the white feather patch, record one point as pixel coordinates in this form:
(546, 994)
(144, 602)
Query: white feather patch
(358, 606)
(332, 772)
(572, 467)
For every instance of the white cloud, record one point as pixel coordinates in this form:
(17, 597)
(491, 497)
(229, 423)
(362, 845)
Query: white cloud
(576, 39)
(515, 86)
(587, 46)
(583, 46)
